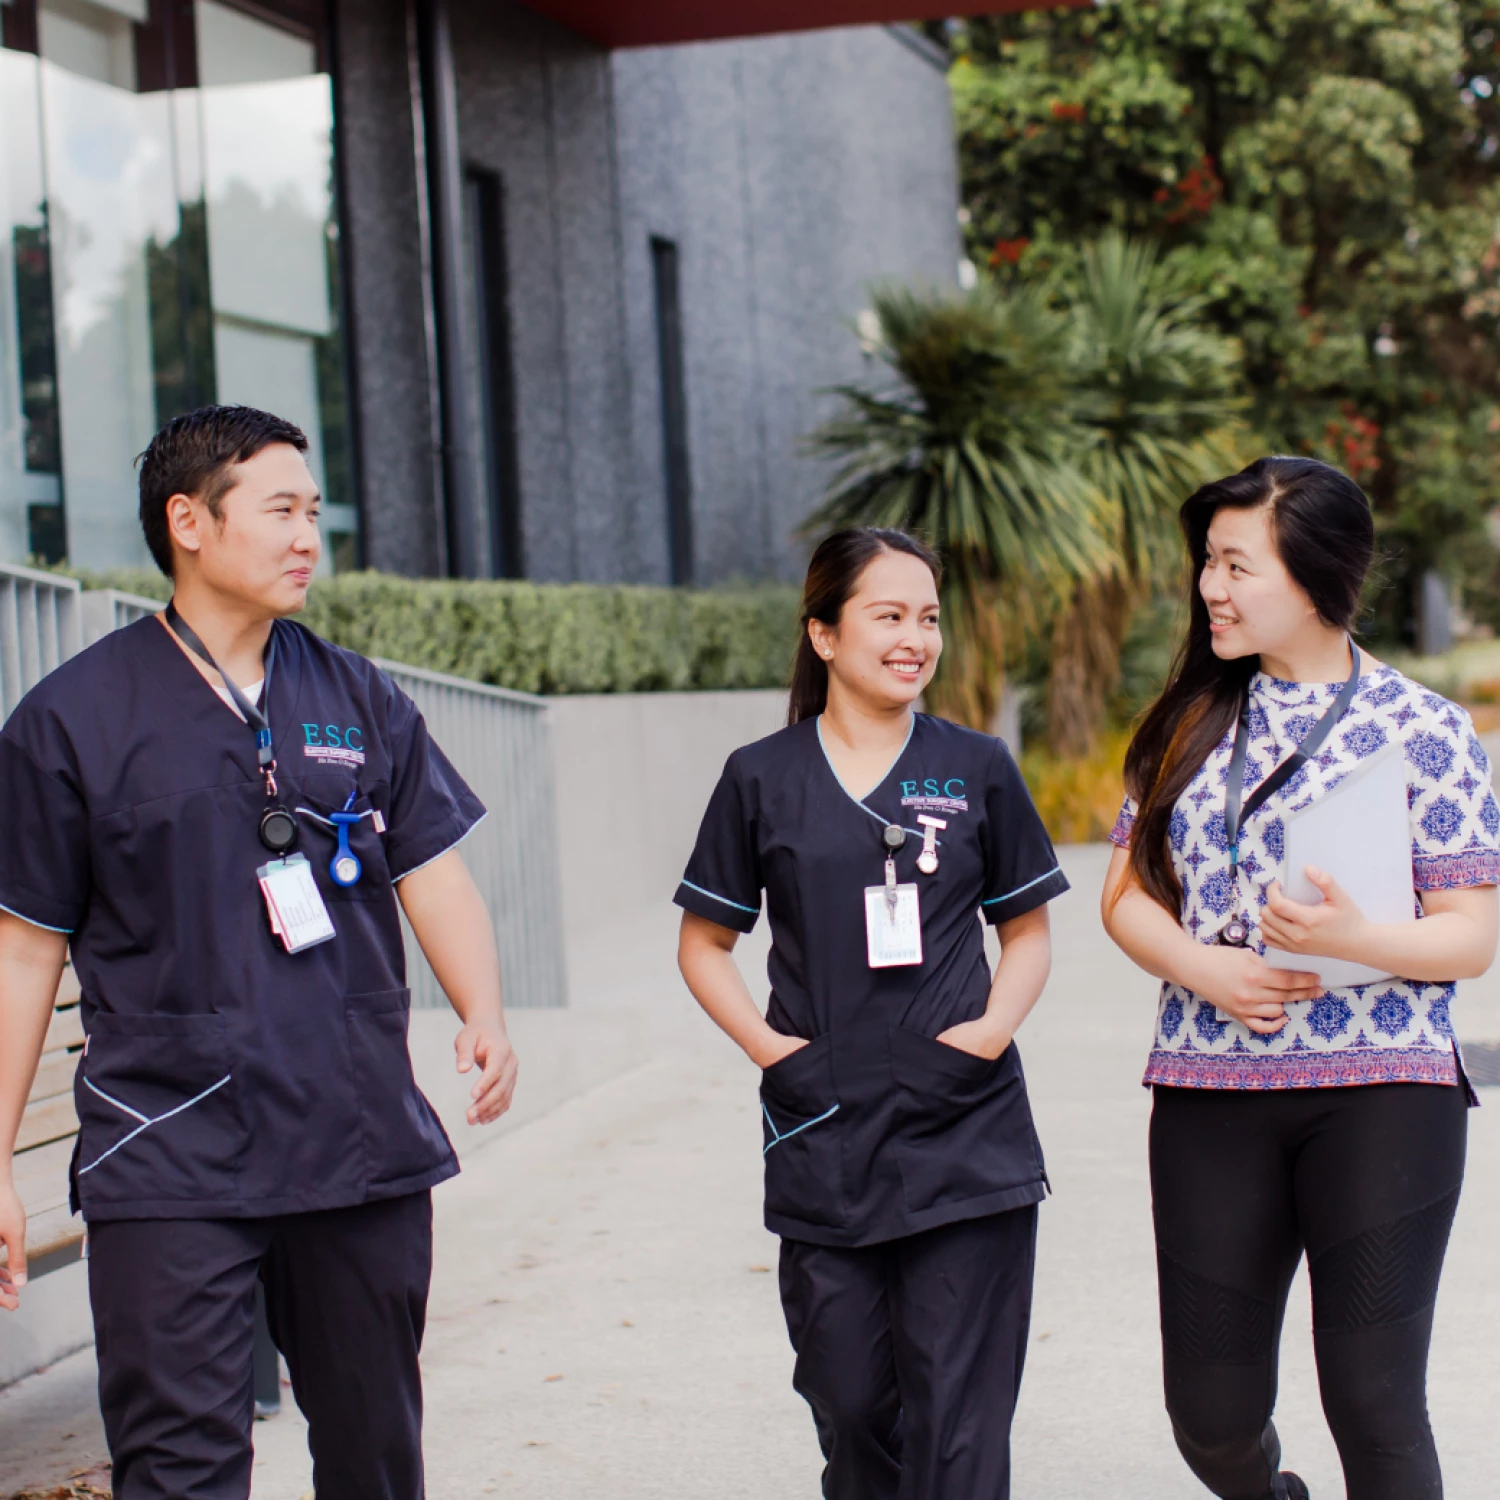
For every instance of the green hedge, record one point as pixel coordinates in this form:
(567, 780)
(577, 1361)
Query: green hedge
(551, 638)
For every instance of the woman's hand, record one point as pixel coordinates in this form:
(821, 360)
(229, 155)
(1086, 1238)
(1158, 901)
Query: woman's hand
(1334, 928)
(1243, 985)
(773, 1047)
(981, 1038)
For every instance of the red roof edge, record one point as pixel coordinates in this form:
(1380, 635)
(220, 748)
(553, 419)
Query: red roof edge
(656, 23)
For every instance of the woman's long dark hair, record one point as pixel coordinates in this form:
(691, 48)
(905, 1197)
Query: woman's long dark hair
(1325, 536)
(832, 578)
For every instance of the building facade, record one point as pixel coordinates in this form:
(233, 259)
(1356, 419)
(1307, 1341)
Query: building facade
(546, 307)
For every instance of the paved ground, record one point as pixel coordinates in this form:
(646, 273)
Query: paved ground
(604, 1317)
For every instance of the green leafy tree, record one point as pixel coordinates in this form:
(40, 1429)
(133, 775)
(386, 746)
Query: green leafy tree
(968, 438)
(1156, 389)
(1326, 173)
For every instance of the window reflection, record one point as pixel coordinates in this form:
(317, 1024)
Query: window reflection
(31, 522)
(162, 248)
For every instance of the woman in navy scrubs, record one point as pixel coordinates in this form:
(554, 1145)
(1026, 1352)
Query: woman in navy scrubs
(902, 1167)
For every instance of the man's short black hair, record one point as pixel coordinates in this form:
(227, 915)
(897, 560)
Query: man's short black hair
(193, 454)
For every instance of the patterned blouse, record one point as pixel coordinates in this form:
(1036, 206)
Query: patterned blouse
(1392, 1031)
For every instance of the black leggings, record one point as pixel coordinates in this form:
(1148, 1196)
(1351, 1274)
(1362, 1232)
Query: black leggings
(1366, 1180)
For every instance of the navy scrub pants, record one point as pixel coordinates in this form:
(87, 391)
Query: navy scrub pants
(174, 1324)
(910, 1355)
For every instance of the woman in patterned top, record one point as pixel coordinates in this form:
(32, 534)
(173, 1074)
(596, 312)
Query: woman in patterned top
(1288, 1118)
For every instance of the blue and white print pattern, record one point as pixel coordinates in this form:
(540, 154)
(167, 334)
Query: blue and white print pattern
(1393, 1031)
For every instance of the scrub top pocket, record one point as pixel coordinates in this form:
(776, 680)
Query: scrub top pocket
(968, 1130)
(403, 1137)
(319, 841)
(159, 1116)
(803, 1146)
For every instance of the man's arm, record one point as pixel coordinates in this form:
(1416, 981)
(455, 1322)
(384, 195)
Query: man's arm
(31, 963)
(449, 917)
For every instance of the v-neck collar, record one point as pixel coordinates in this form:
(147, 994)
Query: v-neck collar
(206, 708)
(863, 803)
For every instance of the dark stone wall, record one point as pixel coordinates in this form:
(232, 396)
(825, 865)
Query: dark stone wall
(384, 294)
(792, 172)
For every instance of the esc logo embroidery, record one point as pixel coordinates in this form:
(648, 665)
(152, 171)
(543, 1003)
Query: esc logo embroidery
(932, 795)
(333, 745)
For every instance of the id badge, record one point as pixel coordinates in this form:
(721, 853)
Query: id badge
(893, 938)
(294, 903)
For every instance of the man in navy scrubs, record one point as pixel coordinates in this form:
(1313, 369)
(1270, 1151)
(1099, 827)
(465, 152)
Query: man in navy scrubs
(217, 812)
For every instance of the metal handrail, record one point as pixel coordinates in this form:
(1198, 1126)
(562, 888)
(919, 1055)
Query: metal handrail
(105, 610)
(41, 626)
(500, 742)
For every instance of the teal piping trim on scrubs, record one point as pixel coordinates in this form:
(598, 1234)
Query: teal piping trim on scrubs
(32, 921)
(777, 1137)
(714, 896)
(397, 879)
(990, 901)
(147, 1123)
(910, 730)
(89, 1084)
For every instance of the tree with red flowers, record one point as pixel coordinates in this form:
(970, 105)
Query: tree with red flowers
(1326, 174)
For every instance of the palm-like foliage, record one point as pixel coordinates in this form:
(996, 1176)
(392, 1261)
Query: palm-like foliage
(967, 444)
(1155, 387)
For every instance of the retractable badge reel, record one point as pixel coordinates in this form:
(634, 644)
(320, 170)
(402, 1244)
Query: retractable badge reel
(278, 825)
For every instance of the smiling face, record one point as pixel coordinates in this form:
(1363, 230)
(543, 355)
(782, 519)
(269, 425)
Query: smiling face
(1255, 607)
(886, 645)
(262, 546)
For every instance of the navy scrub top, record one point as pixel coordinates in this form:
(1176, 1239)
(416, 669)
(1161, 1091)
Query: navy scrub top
(876, 1130)
(222, 1076)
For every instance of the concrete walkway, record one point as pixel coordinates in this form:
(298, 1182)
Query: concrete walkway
(604, 1317)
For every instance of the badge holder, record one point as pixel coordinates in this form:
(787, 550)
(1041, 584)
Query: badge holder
(893, 916)
(294, 903)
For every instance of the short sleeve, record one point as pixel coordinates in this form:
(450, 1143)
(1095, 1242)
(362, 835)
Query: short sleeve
(1119, 835)
(722, 883)
(432, 807)
(1020, 866)
(1455, 822)
(45, 871)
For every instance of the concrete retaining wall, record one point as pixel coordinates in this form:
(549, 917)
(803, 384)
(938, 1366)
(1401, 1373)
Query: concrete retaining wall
(633, 775)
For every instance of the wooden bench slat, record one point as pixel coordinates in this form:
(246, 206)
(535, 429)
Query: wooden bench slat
(54, 1075)
(41, 1174)
(44, 1145)
(47, 1120)
(64, 1030)
(50, 1231)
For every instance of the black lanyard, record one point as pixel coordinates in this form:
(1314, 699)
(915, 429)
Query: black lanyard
(278, 828)
(1307, 747)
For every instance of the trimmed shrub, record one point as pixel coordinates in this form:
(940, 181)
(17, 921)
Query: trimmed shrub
(550, 638)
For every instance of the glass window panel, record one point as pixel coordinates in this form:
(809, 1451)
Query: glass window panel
(111, 195)
(94, 41)
(159, 251)
(268, 165)
(275, 371)
(30, 494)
